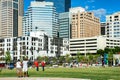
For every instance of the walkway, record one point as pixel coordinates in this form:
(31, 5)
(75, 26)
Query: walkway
(39, 78)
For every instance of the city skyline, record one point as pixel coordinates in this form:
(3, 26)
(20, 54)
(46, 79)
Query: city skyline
(101, 9)
(60, 5)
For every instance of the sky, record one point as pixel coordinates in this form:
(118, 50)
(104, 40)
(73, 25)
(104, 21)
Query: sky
(101, 8)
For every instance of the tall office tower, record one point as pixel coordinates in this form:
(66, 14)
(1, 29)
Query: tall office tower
(61, 5)
(103, 27)
(11, 12)
(113, 25)
(64, 25)
(83, 24)
(40, 16)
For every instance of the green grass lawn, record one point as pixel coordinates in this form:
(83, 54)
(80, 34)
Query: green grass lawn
(85, 73)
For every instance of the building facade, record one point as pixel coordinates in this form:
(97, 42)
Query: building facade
(113, 25)
(11, 14)
(103, 27)
(37, 44)
(60, 5)
(20, 47)
(92, 44)
(83, 24)
(41, 16)
(64, 25)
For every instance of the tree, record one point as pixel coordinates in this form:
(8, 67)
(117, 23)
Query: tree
(117, 49)
(61, 59)
(67, 58)
(91, 58)
(54, 60)
(78, 56)
(100, 51)
(46, 59)
(106, 50)
(95, 58)
(39, 58)
(110, 57)
(7, 57)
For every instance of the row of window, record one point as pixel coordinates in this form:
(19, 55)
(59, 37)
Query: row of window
(84, 50)
(23, 38)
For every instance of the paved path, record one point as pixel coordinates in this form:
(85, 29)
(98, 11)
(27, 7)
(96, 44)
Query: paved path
(40, 78)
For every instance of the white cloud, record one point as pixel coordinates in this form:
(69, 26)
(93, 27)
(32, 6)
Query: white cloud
(86, 7)
(99, 12)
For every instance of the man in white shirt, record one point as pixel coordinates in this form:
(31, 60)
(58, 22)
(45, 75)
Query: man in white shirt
(25, 67)
(19, 68)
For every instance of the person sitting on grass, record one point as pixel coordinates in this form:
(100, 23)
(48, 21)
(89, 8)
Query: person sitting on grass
(19, 68)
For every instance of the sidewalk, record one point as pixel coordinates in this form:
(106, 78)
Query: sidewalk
(39, 78)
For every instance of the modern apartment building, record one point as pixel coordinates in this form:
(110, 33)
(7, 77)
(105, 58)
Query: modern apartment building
(64, 25)
(83, 24)
(103, 27)
(92, 44)
(11, 14)
(60, 5)
(113, 25)
(41, 16)
(20, 47)
(37, 44)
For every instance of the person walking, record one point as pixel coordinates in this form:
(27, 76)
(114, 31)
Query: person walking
(19, 68)
(25, 67)
(36, 65)
(43, 65)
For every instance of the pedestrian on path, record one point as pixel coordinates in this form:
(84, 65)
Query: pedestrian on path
(36, 64)
(43, 65)
(19, 68)
(25, 67)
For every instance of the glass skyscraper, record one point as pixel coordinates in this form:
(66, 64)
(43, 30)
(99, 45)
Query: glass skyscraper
(40, 16)
(64, 25)
(61, 5)
(11, 13)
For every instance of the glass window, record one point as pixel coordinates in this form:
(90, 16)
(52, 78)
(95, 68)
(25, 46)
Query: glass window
(23, 38)
(4, 4)
(15, 5)
(9, 4)
(15, 0)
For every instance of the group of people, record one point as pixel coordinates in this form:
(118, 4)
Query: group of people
(36, 64)
(22, 67)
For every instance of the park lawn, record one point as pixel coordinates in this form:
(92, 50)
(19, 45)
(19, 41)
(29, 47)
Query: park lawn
(84, 73)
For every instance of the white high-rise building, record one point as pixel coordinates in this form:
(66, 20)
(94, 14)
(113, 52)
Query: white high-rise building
(113, 25)
(41, 16)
